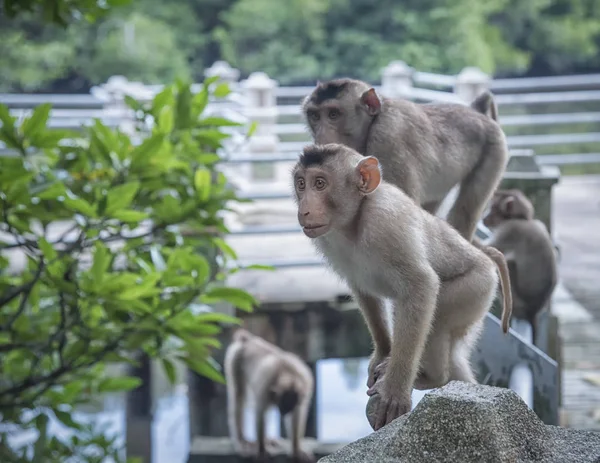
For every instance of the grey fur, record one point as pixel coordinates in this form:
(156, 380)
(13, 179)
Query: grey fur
(423, 149)
(528, 250)
(385, 246)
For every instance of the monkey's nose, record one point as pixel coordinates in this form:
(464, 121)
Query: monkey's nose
(305, 213)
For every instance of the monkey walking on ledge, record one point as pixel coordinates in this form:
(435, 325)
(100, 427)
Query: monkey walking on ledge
(387, 247)
(271, 376)
(424, 149)
(529, 252)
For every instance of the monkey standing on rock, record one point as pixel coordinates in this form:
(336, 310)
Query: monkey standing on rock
(424, 149)
(387, 247)
(272, 376)
(528, 249)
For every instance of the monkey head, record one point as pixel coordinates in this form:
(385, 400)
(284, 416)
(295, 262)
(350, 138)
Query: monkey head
(508, 205)
(341, 111)
(330, 182)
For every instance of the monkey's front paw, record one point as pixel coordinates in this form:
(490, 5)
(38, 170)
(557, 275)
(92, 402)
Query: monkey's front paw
(377, 368)
(388, 407)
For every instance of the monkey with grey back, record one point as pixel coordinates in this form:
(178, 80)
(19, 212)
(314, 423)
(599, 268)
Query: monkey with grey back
(424, 149)
(528, 250)
(385, 246)
(257, 369)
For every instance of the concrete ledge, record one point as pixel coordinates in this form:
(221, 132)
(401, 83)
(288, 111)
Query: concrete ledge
(220, 450)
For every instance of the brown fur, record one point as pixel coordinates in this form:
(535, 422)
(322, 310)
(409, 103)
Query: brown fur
(529, 252)
(273, 377)
(423, 149)
(387, 247)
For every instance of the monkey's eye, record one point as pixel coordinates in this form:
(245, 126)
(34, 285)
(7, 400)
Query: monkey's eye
(333, 113)
(320, 183)
(313, 115)
(300, 184)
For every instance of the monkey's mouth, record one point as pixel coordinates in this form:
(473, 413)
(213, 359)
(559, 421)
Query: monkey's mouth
(314, 231)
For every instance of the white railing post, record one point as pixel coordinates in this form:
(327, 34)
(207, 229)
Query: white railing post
(114, 91)
(470, 83)
(261, 107)
(224, 71)
(396, 80)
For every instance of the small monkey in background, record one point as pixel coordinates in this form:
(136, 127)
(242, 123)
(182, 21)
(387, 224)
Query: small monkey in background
(424, 149)
(387, 247)
(528, 250)
(273, 377)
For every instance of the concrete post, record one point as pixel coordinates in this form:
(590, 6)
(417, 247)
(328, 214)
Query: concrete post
(261, 107)
(224, 71)
(396, 80)
(470, 83)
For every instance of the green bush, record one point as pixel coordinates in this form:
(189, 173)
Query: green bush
(139, 239)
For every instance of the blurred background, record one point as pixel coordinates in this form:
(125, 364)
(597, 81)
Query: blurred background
(541, 58)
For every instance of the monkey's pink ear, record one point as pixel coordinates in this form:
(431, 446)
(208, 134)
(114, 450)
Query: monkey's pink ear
(371, 101)
(370, 174)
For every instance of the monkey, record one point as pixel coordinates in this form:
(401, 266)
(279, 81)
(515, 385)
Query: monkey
(424, 149)
(528, 250)
(385, 246)
(273, 377)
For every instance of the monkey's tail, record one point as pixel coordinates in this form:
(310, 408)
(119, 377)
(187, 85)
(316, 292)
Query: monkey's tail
(507, 304)
(485, 104)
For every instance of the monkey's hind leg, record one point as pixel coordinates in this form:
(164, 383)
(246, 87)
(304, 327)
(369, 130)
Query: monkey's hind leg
(477, 188)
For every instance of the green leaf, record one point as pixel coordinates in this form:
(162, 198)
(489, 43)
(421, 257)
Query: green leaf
(183, 105)
(210, 80)
(67, 419)
(166, 120)
(147, 149)
(206, 317)
(205, 369)
(199, 102)
(218, 122)
(202, 181)
(101, 262)
(129, 215)
(223, 246)
(119, 384)
(53, 191)
(222, 90)
(79, 204)
(47, 249)
(170, 371)
(235, 296)
(8, 121)
(137, 292)
(252, 129)
(120, 197)
(132, 102)
(37, 120)
(259, 267)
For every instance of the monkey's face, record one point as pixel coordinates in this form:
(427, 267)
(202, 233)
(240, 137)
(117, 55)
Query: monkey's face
(314, 196)
(329, 184)
(508, 205)
(340, 114)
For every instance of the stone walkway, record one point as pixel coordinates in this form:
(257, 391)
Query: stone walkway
(577, 304)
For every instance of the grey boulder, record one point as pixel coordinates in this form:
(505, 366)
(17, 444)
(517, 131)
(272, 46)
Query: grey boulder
(465, 423)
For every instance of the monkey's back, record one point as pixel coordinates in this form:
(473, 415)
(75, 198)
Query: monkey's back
(424, 134)
(528, 244)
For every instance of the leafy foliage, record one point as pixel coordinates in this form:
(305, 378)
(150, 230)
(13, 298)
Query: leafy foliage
(116, 242)
(299, 41)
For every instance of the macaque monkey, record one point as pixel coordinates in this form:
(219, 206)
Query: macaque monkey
(424, 149)
(273, 377)
(528, 250)
(385, 246)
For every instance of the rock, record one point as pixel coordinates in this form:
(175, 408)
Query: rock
(465, 423)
